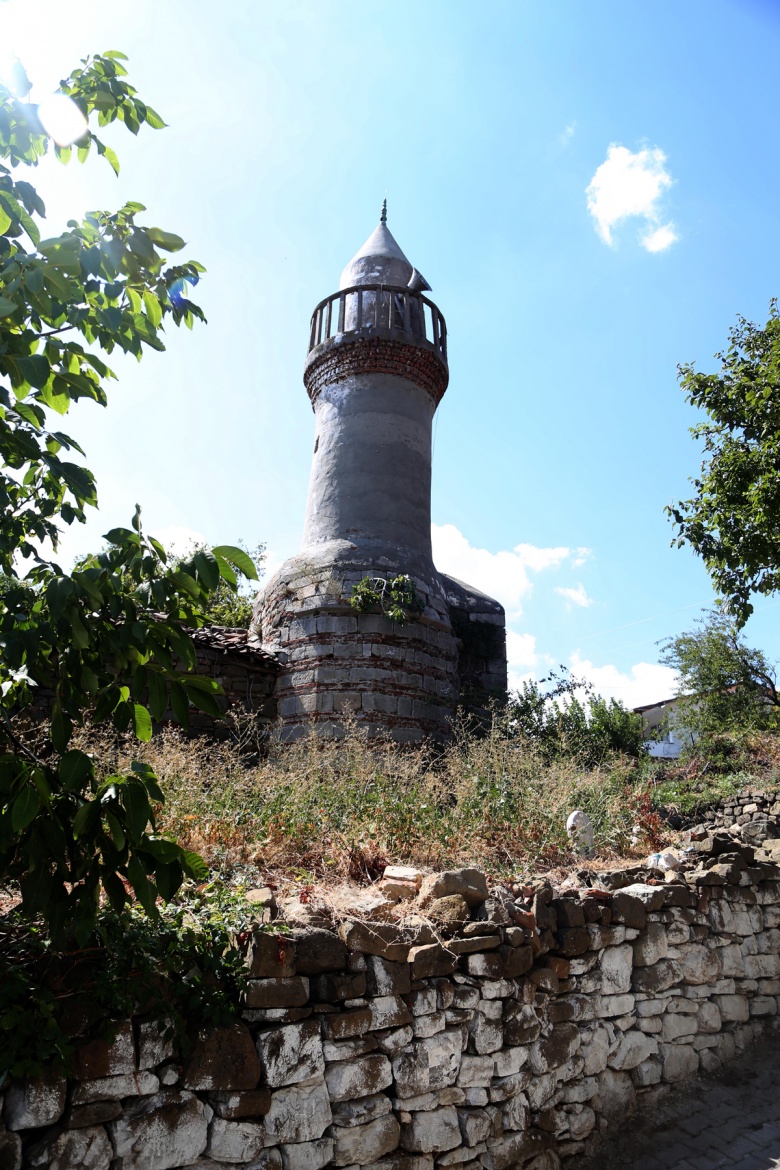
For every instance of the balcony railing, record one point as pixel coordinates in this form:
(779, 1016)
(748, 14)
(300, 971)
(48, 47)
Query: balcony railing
(379, 310)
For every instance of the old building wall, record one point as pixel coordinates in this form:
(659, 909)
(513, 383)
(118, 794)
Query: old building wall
(472, 1027)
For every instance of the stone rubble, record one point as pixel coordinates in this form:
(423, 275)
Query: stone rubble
(489, 1028)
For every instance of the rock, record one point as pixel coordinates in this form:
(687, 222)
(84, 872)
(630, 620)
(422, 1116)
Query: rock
(508, 1061)
(305, 914)
(448, 914)
(486, 1033)
(234, 1141)
(365, 1144)
(344, 1025)
(235, 1106)
(10, 1151)
(698, 964)
(338, 985)
(291, 1054)
(101, 1058)
(349, 1113)
(33, 1103)
(375, 938)
(89, 1149)
(263, 899)
(633, 1048)
(166, 1130)
(595, 1048)
(470, 884)
(617, 1095)
(388, 1011)
(271, 955)
(573, 941)
(551, 1051)
(628, 910)
(513, 1149)
(139, 1084)
(432, 1132)
(386, 978)
(661, 976)
(483, 966)
(733, 1008)
(318, 951)
(432, 960)
(428, 1064)
(475, 1126)
(153, 1046)
(647, 1073)
(651, 945)
(368, 905)
(307, 1155)
(403, 873)
(679, 1061)
(616, 967)
(298, 1113)
(277, 993)
(476, 1071)
(358, 1078)
(223, 1058)
(81, 1116)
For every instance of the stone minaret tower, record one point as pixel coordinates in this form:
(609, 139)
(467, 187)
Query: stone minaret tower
(376, 371)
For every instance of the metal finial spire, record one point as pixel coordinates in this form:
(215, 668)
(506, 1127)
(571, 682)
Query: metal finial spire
(383, 216)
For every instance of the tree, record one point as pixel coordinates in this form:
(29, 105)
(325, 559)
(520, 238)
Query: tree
(733, 521)
(562, 717)
(109, 638)
(228, 606)
(724, 685)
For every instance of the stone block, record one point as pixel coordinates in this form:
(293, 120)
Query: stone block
(431, 1132)
(428, 1064)
(629, 910)
(11, 1151)
(277, 993)
(470, 884)
(651, 945)
(237, 1106)
(81, 1116)
(291, 1054)
(386, 978)
(333, 987)
(223, 1058)
(166, 1130)
(365, 1144)
(633, 1048)
(103, 1058)
(344, 1025)
(33, 1103)
(388, 1011)
(679, 1061)
(733, 1008)
(486, 1034)
(350, 1113)
(307, 1155)
(358, 1078)
(298, 1113)
(271, 956)
(317, 951)
(432, 960)
(234, 1141)
(616, 967)
(153, 1046)
(661, 976)
(115, 1088)
(429, 1025)
(616, 1096)
(673, 1026)
(553, 1050)
(477, 1071)
(514, 1149)
(375, 938)
(698, 964)
(89, 1149)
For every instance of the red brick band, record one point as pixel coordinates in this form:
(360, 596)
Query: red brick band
(423, 366)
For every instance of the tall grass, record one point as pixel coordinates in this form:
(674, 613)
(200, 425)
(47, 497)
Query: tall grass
(343, 808)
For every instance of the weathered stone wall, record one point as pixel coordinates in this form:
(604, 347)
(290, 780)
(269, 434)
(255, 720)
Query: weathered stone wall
(247, 674)
(483, 1030)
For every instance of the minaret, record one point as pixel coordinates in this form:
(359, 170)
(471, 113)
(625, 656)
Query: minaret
(375, 372)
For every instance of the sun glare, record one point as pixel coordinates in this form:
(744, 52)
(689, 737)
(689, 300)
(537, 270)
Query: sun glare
(62, 119)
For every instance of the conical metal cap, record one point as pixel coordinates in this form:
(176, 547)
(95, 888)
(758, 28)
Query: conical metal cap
(379, 261)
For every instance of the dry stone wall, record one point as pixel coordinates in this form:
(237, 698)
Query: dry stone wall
(473, 1028)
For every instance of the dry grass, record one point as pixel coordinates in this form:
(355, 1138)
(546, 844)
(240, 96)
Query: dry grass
(335, 810)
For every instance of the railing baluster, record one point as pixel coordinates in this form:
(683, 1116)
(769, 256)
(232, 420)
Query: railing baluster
(393, 308)
(342, 311)
(377, 306)
(359, 321)
(328, 318)
(435, 326)
(407, 313)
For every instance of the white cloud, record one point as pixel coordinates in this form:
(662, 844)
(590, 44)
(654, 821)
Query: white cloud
(177, 539)
(661, 238)
(632, 184)
(581, 555)
(575, 596)
(503, 575)
(645, 682)
(567, 134)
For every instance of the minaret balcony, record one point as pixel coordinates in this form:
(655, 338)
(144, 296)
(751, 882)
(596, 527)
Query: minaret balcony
(377, 311)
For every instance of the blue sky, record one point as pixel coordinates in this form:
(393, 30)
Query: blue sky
(591, 191)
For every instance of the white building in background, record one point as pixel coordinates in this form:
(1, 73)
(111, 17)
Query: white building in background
(665, 737)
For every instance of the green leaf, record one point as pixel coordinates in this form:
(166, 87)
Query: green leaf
(158, 695)
(194, 865)
(142, 723)
(116, 831)
(24, 808)
(7, 306)
(180, 704)
(86, 818)
(165, 240)
(236, 556)
(75, 770)
(143, 888)
(208, 568)
(154, 120)
(153, 309)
